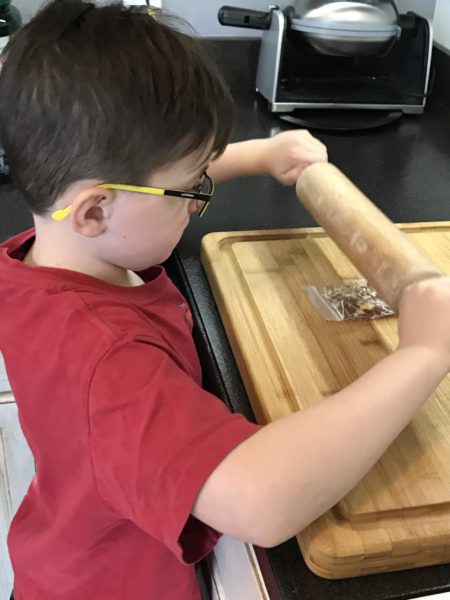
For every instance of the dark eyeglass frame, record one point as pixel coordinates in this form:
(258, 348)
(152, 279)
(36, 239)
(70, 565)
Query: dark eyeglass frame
(193, 194)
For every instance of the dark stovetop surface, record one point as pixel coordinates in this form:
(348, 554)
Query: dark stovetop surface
(405, 169)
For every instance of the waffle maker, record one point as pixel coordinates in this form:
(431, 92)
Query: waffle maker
(340, 65)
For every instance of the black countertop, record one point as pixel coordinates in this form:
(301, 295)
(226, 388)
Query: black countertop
(405, 169)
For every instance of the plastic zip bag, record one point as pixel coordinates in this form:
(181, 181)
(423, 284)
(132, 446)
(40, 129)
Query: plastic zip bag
(349, 300)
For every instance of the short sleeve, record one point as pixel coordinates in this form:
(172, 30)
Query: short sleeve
(156, 436)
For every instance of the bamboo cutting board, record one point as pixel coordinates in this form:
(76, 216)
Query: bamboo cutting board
(289, 356)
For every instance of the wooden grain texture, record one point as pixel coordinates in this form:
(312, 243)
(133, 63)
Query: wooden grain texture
(289, 356)
(372, 242)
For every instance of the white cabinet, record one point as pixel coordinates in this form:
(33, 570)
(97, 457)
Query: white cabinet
(235, 572)
(16, 472)
(4, 383)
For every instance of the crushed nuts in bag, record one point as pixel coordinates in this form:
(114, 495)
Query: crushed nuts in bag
(348, 300)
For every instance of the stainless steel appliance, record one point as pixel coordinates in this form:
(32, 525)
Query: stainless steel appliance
(360, 63)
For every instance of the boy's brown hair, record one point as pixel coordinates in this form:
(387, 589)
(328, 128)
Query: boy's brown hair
(106, 93)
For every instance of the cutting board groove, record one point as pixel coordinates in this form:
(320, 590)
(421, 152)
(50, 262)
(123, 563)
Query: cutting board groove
(289, 357)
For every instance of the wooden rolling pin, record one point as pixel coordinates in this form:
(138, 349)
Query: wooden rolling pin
(380, 251)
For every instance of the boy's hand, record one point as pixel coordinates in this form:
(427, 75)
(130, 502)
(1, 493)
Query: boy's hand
(424, 316)
(290, 152)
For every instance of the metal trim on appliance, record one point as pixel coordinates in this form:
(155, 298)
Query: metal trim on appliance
(312, 26)
(430, 55)
(277, 107)
(269, 63)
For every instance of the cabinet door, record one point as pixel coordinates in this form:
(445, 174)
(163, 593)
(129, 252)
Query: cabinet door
(235, 572)
(16, 472)
(4, 383)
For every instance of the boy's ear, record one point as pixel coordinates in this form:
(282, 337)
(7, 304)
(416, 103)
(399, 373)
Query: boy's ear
(91, 209)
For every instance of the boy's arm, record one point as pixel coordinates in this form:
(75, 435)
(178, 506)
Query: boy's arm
(289, 473)
(283, 156)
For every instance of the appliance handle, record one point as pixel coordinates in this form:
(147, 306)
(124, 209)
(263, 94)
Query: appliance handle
(406, 21)
(242, 17)
(394, 6)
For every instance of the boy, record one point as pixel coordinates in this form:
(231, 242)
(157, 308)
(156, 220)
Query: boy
(108, 117)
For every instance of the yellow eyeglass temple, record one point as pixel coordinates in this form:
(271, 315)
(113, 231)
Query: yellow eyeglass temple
(133, 188)
(59, 215)
(62, 213)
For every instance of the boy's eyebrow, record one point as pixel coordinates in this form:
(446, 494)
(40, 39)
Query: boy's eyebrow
(193, 179)
(197, 174)
(200, 170)
(204, 165)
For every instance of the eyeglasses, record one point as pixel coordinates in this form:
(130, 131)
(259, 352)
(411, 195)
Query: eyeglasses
(201, 192)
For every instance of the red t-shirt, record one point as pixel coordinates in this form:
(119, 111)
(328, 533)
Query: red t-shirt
(108, 386)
